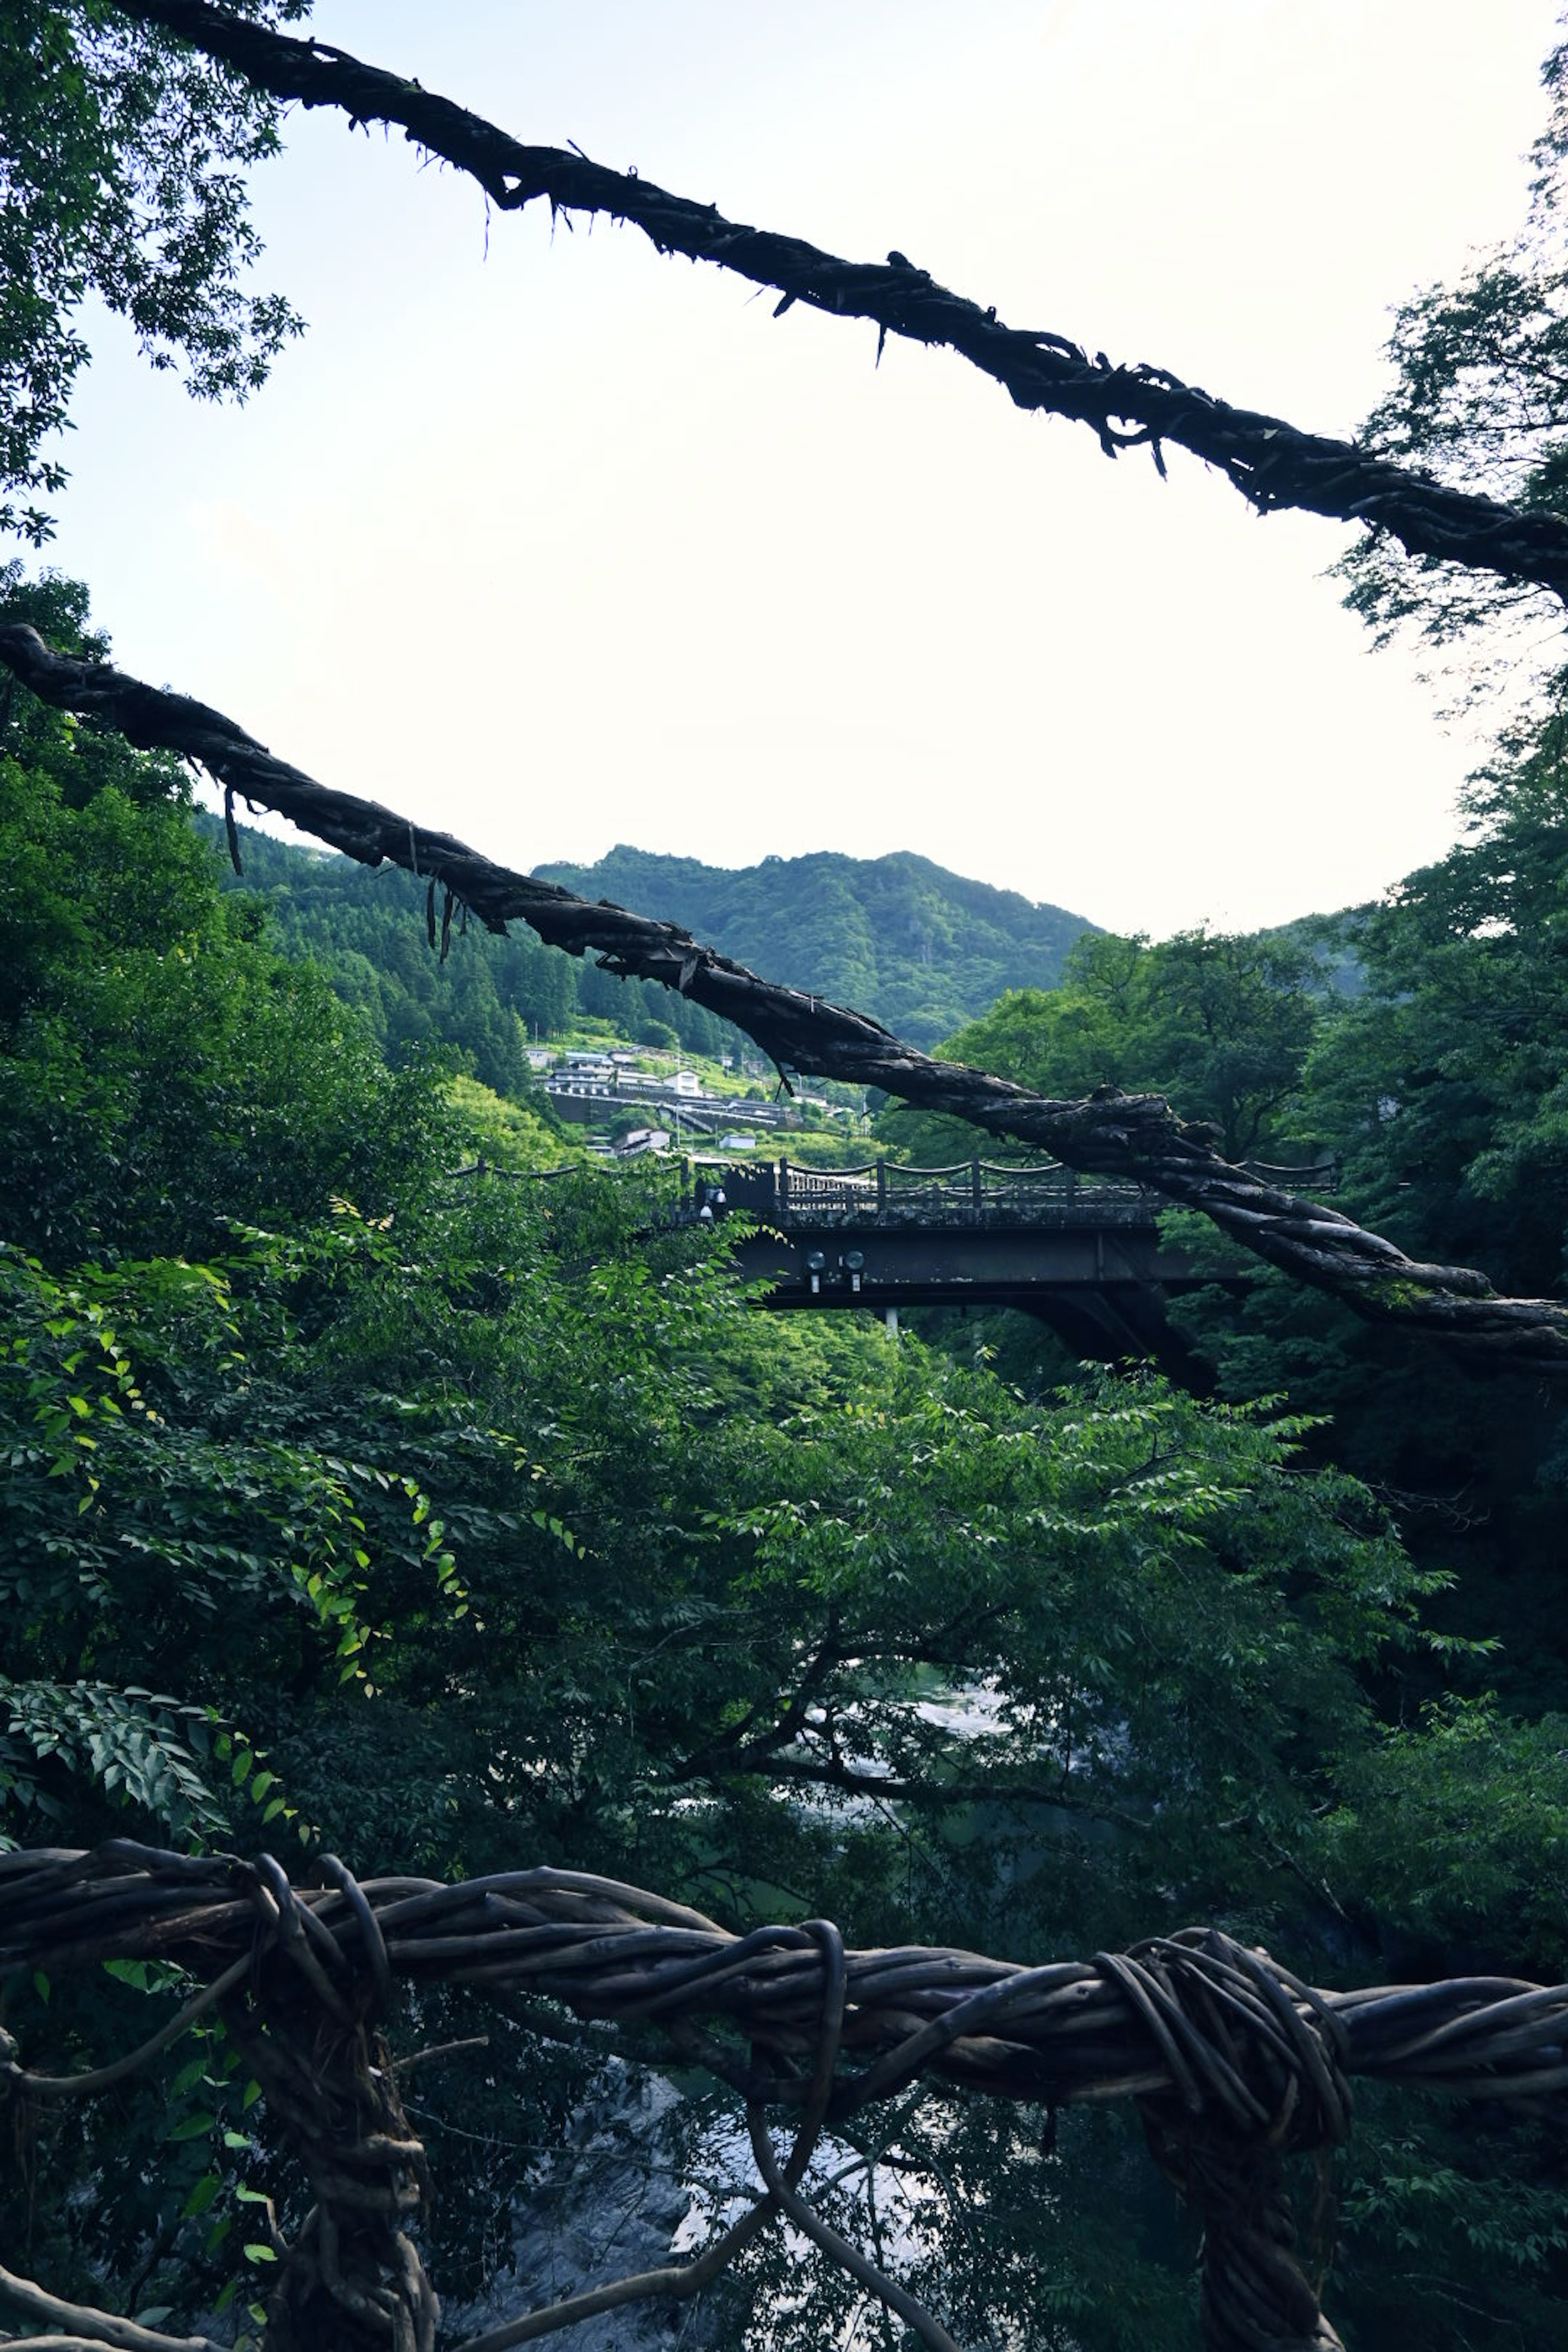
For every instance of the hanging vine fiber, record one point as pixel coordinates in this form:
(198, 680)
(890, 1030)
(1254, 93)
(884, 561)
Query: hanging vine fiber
(1234, 2062)
(1272, 463)
(1110, 1133)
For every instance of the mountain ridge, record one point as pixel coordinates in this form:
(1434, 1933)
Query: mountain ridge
(921, 949)
(918, 947)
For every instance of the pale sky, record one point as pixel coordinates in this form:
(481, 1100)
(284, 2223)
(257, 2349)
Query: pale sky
(561, 543)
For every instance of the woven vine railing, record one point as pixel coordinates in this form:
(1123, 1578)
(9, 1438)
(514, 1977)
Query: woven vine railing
(1236, 2064)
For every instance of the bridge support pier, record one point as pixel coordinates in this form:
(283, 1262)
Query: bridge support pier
(890, 1317)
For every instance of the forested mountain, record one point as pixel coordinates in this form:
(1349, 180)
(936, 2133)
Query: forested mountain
(918, 948)
(365, 928)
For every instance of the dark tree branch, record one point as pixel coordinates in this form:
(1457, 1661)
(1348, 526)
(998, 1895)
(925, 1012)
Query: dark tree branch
(941, 1796)
(738, 1741)
(1272, 463)
(1110, 1133)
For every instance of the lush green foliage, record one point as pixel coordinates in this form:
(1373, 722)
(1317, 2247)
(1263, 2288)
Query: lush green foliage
(1436, 1090)
(1221, 1022)
(365, 931)
(1478, 399)
(163, 1073)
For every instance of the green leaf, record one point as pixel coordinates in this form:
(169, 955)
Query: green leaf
(191, 2128)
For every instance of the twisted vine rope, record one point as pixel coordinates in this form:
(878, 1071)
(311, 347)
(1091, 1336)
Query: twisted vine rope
(1272, 463)
(1233, 2061)
(1110, 1133)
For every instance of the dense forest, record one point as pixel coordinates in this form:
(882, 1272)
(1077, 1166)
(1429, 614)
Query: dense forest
(449, 1523)
(490, 1000)
(918, 948)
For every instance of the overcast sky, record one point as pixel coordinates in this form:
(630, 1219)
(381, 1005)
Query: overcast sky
(557, 543)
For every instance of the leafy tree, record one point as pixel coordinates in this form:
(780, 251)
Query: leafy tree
(499, 1528)
(1479, 399)
(161, 1073)
(1223, 1023)
(121, 156)
(1439, 1091)
(78, 757)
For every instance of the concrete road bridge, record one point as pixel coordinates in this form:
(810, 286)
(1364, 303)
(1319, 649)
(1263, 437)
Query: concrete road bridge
(1083, 1252)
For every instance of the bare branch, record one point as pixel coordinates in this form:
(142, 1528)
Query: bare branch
(104, 2330)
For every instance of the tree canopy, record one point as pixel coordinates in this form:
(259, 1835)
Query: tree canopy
(1477, 399)
(123, 154)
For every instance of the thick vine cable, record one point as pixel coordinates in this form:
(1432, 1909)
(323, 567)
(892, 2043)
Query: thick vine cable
(1110, 1133)
(1272, 463)
(1235, 2062)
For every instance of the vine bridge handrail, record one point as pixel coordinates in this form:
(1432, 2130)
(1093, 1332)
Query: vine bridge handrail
(1235, 2062)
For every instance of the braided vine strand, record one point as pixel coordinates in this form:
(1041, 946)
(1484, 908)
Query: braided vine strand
(1234, 2062)
(1271, 462)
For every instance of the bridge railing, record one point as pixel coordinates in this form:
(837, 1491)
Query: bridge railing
(1035, 1191)
(961, 1192)
(982, 1187)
